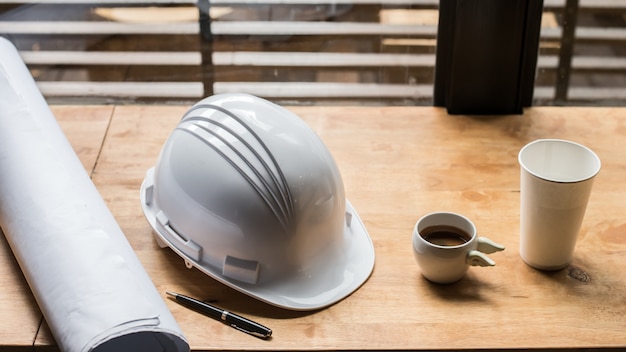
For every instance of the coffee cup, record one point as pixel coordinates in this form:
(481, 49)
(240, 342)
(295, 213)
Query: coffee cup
(446, 244)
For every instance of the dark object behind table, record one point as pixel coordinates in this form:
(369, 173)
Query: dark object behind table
(487, 55)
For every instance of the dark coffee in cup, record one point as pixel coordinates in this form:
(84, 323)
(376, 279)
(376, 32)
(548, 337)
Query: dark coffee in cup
(445, 235)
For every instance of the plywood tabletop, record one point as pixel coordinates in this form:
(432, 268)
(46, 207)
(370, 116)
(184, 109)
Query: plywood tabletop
(397, 164)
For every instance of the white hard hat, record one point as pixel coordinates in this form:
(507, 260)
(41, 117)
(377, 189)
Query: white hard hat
(247, 193)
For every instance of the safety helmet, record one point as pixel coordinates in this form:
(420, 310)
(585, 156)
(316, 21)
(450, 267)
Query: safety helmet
(247, 193)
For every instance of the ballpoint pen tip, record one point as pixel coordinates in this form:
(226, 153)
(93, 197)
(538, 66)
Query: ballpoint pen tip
(171, 294)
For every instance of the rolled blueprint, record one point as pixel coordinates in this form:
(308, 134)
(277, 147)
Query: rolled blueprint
(88, 282)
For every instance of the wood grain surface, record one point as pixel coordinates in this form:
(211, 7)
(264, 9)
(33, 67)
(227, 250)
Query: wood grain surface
(397, 164)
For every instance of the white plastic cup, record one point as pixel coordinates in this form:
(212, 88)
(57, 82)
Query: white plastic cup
(556, 180)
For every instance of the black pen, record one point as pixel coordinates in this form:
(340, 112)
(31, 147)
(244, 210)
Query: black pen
(236, 321)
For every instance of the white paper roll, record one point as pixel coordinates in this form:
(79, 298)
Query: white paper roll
(87, 280)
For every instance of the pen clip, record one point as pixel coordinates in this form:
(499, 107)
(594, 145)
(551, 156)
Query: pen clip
(253, 333)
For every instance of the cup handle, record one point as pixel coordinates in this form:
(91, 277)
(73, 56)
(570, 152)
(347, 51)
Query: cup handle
(477, 258)
(486, 245)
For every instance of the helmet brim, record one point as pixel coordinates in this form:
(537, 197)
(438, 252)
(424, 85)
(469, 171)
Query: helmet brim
(333, 280)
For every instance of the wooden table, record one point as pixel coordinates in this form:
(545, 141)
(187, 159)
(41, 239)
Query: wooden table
(398, 163)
